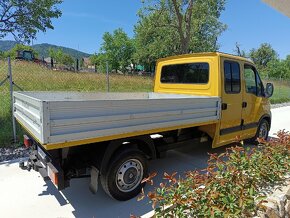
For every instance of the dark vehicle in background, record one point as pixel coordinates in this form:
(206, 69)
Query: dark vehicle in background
(28, 56)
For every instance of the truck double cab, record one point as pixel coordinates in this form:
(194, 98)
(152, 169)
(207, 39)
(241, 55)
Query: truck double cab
(197, 98)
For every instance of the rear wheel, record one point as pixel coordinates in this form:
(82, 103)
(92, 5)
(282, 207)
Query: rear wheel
(122, 180)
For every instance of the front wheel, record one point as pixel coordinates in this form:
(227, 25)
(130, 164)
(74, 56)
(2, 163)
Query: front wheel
(122, 181)
(263, 130)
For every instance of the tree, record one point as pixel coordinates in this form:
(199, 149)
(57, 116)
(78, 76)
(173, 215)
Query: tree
(239, 51)
(67, 60)
(151, 42)
(99, 60)
(170, 27)
(56, 55)
(263, 55)
(60, 57)
(279, 69)
(118, 49)
(24, 18)
(2, 55)
(19, 47)
(287, 60)
(94, 59)
(52, 53)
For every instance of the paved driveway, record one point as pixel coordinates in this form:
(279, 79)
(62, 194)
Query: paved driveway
(24, 194)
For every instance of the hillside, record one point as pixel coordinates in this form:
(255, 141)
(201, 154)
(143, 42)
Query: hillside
(6, 45)
(42, 49)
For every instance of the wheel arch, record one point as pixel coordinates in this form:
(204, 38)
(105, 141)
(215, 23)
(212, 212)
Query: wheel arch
(142, 143)
(266, 117)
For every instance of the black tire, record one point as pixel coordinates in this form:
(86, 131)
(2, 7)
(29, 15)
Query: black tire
(262, 131)
(130, 164)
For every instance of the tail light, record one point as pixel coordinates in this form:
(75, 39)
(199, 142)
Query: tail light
(27, 141)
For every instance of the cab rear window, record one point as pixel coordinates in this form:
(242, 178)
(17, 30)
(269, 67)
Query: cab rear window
(189, 73)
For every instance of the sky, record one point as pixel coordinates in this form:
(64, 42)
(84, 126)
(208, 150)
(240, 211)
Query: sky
(83, 23)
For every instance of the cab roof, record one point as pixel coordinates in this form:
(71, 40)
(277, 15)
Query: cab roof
(206, 54)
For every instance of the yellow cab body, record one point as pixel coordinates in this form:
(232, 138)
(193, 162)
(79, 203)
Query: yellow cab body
(232, 78)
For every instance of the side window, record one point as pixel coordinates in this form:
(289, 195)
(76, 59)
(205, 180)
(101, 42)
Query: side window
(232, 77)
(260, 87)
(253, 82)
(250, 80)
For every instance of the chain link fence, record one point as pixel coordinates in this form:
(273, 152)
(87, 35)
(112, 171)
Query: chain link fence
(6, 128)
(30, 76)
(281, 89)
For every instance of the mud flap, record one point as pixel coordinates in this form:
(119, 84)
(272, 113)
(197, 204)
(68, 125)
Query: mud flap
(94, 180)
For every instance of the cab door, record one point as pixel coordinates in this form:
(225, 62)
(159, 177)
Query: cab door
(231, 93)
(253, 100)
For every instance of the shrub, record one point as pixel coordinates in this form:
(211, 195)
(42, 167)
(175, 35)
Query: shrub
(230, 185)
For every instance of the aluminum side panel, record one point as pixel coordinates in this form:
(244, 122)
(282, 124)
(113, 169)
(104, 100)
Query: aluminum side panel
(70, 121)
(28, 112)
(60, 117)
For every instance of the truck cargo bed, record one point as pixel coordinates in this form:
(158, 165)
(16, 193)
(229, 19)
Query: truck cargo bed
(62, 117)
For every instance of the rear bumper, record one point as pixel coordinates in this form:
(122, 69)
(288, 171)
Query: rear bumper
(41, 161)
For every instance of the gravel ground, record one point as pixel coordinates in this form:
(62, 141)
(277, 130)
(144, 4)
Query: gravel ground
(12, 153)
(15, 152)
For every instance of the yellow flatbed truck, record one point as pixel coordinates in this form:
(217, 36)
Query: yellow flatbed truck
(211, 97)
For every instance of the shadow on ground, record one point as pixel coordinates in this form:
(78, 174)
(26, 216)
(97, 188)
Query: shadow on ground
(86, 204)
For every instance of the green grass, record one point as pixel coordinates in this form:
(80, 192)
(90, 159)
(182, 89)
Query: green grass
(281, 92)
(32, 77)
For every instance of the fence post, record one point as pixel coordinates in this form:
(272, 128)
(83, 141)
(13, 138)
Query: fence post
(108, 79)
(77, 65)
(51, 63)
(11, 96)
(280, 85)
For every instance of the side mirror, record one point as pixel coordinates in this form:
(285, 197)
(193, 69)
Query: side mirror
(269, 90)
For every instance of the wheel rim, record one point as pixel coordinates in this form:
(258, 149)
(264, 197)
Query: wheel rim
(263, 131)
(129, 175)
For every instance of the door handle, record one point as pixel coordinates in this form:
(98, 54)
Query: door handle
(244, 104)
(224, 106)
